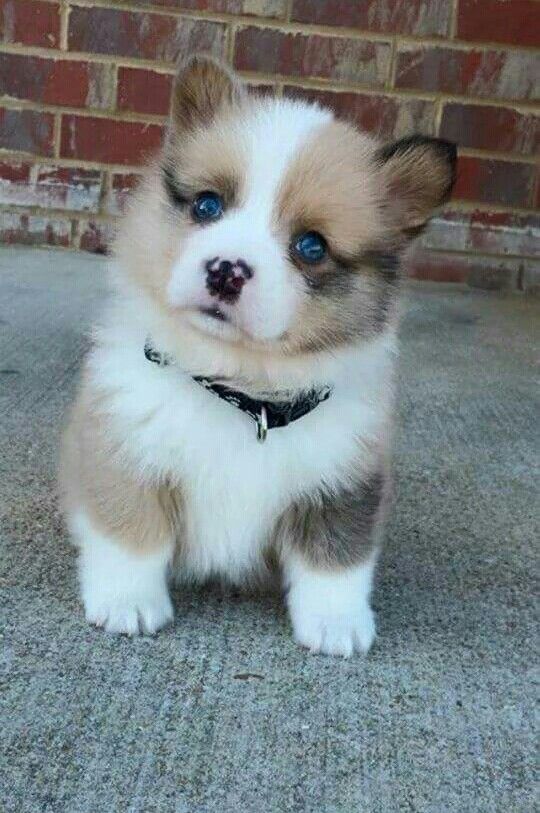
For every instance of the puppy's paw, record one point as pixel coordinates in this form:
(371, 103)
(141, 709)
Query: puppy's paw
(122, 592)
(131, 614)
(335, 634)
(330, 611)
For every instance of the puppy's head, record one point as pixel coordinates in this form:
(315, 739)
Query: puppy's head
(269, 224)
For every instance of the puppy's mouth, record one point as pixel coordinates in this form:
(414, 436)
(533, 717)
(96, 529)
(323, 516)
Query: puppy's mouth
(213, 320)
(214, 313)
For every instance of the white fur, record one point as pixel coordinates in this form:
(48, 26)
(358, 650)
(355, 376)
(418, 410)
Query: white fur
(330, 612)
(122, 591)
(270, 299)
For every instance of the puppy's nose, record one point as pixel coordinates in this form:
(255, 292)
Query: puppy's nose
(225, 278)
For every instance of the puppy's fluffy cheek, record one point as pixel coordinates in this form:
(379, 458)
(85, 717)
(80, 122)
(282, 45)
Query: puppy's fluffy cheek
(186, 284)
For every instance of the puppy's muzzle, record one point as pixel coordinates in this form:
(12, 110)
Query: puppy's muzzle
(225, 279)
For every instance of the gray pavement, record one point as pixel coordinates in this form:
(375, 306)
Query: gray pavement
(222, 712)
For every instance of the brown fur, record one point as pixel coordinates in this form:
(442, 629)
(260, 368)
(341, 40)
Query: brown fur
(419, 175)
(336, 530)
(140, 514)
(198, 157)
(341, 529)
(201, 88)
(333, 187)
(342, 199)
(208, 159)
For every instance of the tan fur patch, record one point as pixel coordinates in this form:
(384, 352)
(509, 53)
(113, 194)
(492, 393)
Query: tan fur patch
(141, 515)
(333, 187)
(202, 87)
(154, 228)
(419, 174)
(210, 159)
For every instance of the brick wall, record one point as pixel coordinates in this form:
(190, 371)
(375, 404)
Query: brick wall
(85, 90)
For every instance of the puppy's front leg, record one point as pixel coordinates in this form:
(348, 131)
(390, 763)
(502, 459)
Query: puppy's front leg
(329, 558)
(126, 529)
(122, 590)
(330, 611)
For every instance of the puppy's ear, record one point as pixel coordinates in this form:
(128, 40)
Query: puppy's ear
(419, 175)
(202, 87)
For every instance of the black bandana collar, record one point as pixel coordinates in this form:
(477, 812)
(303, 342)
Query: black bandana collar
(267, 414)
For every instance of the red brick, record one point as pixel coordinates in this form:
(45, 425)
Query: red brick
(477, 270)
(49, 81)
(436, 267)
(108, 141)
(142, 35)
(490, 181)
(21, 228)
(502, 74)
(26, 131)
(511, 21)
(493, 275)
(97, 237)
(504, 233)
(13, 172)
(125, 181)
(267, 8)
(497, 233)
(259, 49)
(144, 91)
(491, 128)
(69, 188)
(384, 116)
(52, 187)
(421, 17)
(120, 190)
(30, 22)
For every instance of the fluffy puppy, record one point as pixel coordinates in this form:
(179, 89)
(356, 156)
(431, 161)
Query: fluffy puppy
(236, 407)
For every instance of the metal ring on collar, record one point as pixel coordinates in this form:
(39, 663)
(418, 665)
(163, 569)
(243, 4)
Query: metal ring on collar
(262, 425)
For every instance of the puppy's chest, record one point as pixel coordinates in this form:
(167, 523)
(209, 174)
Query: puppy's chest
(234, 488)
(232, 500)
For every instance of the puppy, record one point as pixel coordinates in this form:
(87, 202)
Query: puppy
(236, 407)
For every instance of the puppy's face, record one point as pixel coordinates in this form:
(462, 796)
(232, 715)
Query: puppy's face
(276, 226)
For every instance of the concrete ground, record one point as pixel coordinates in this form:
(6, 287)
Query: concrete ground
(222, 712)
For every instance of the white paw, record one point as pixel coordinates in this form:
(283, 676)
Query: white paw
(130, 614)
(330, 611)
(335, 635)
(122, 591)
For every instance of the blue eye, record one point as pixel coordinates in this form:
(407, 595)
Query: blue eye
(310, 247)
(207, 206)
